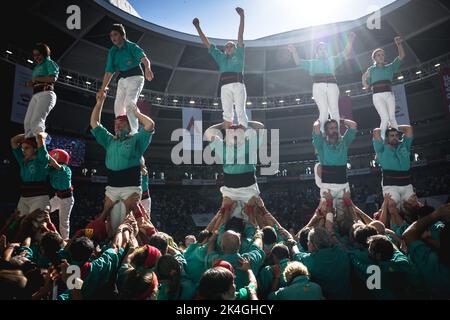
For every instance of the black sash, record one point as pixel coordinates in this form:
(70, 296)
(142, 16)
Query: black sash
(334, 174)
(230, 77)
(381, 86)
(145, 195)
(125, 178)
(43, 86)
(63, 194)
(396, 178)
(33, 189)
(240, 180)
(324, 78)
(136, 71)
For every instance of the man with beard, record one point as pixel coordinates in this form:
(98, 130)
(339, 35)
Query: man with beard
(332, 153)
(393, 155)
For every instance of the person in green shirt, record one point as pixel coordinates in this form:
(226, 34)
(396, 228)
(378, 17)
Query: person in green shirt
(393, 155)
(433, 265)
(33, 160)
(43, 100)
(332, 153)
(146, 200)
(61, 181)
(379, 77)
(125, 58)
(231, 68)
(123, 156)
(324, 256)
(279, 256)
(237, 152)
(174, 284)
(322, 68)
(298, 286)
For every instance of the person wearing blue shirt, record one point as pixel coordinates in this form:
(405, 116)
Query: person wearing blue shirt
(379, 77)
(43, 80)
(322, 68)
(125, 58)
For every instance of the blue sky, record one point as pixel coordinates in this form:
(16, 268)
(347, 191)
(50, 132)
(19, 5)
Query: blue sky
(263, 17)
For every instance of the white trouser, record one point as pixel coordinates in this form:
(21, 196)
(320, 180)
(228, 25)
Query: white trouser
(65, 208)
(241, 195)
(317, 176)
(399, 193)
(118, 212)
(384, 102)
(147, 204)
(234, 93)
(38, 109)
(128, 91)
(326, 96)
(337, 192)
(27, 205)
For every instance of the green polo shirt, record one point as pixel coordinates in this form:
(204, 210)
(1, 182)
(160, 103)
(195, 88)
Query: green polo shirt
(255, 255)
(390, 158)
(195, 256)
(144, 183)
(236, 159)
(321, 262)
(325, 66)
(60, 179)
(333, 154)
(34, 170)
(233, 63)
(122, 154)
(124, 58)
(435, 273)
(246, 238)
(46, 68)
(385, 72)
(300, 289)
(265, 277)
(395, 274)
(187, 290)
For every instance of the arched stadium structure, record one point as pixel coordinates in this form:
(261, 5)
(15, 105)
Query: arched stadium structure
(185, 72)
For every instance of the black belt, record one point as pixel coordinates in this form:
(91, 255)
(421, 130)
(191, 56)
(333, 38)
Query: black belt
(334, 174)
(41, 86)
(396, 178)
(327, 78)
(125, 178)
(240, 180)
(145, 195)
(63, 194)
(381, 86)
(230, 77)
(136, 71)
(33, 189)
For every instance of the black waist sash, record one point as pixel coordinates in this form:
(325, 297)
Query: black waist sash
(125, 178)
(396, 178)
(230, 77)
(240, 180)
(324, 78)
(34, 189)
(43, 86)
(63, 194)
(334, 174)
(136, 71)
(381, 86)
(145, 195)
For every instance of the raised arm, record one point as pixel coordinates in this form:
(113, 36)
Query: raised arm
(240, 11)
(401, 50)
(364, 79)
(106, 80)
(202, 36)
(294, 54)
(146, 121)
(349, 47)
(211, 132)
(16, 140)
(97, 111)
(148, 68)
(350, 123)
(407, 130)
(316, 127)
(53, 163)
(377, 134)
(40, 139)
